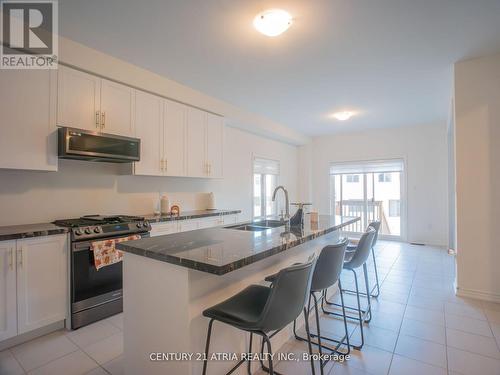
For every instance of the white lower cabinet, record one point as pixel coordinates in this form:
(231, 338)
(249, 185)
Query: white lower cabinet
(161, 229)
(187, 225)
(230, 219)
(35, 275)
(41, 281)
(169, 227)
(8, 308)
(210, 222)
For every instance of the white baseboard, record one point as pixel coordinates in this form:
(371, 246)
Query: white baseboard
(477, 294)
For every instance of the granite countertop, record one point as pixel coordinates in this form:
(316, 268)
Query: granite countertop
(14, 232)
(221, 250)
(193, 214)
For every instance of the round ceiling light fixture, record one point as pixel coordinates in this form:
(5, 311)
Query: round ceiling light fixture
(272, 22)
(343, 116)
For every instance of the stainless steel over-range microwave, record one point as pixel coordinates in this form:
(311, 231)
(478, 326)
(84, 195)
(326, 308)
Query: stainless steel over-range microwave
(94, 146)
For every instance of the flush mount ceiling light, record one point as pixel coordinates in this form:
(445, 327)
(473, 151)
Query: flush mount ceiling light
(272, 22)
(343, 116)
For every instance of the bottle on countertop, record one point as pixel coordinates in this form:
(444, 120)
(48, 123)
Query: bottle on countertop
(211, 201)
(165, 205)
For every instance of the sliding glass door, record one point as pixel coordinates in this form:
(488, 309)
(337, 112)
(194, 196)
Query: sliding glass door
(370, 190)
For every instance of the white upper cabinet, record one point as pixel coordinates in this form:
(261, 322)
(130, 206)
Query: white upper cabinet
(205, 144)
(88, 102)
(78, 99)
(117, 109)
(8, 308)
(28, 139)
(215, 145)
(197, 165)
(149, 128)
(174, 143)
(41, 281)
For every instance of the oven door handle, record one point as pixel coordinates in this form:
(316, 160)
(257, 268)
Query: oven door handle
(85, 245)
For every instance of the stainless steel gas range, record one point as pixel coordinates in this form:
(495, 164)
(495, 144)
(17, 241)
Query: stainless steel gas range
(97, 294)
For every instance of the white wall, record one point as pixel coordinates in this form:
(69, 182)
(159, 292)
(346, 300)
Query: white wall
(424, 149)
(80, 188)
(477, 155)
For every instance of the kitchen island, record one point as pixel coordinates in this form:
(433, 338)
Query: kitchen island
(169, 280)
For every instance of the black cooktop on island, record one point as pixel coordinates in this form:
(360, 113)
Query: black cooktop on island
(98, 226)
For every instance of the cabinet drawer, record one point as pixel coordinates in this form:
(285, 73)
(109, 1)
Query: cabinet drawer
(230, 219)
(210, 222)
(161, 229)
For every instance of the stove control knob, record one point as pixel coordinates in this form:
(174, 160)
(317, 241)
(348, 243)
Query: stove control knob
(145, 224)
(78, 232)
(138, 225)
(87, 230)
(97, 230)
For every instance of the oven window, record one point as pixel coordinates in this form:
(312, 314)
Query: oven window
(88, 282)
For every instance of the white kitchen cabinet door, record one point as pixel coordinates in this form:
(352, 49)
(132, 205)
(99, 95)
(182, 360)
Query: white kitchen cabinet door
(78, 99)
(186, 225)
(210, 222)
(28, 137)
(8, 307)
(230, 219)
(117, 108)
(196, 143)
(149, 128)
(215, 145)
(41, 281)
(161, 229)
(174, 143)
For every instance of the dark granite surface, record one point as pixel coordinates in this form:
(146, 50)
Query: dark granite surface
(14, 232)
(194, 214)
(221, 250)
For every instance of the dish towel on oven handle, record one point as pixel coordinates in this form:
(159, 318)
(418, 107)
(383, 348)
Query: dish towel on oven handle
(105, 252)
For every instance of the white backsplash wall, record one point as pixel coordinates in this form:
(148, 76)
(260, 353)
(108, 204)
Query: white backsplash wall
(81, 188)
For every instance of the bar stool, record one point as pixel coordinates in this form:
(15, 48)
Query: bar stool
(353, 261)
(260, 310)
(352, 247)
(326, 274)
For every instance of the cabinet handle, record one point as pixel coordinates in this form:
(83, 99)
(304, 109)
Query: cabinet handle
(11, 259)
(161, 164)
(166, 165)
(103, 120)
(20, 255)
(97, 119)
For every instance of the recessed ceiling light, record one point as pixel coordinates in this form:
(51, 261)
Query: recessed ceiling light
(343, 116)
(272, 22)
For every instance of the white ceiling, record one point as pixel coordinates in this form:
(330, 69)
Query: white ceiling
(389, 60)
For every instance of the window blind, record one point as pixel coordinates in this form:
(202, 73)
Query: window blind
(266, 166)
(373, 166)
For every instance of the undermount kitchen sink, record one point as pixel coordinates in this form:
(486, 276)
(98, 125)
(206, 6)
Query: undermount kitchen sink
(257, 226)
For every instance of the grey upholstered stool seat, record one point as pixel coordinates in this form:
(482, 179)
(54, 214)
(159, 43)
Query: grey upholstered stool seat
(260, 310)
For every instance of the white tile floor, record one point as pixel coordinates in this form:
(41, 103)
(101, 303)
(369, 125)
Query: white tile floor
(418, 327)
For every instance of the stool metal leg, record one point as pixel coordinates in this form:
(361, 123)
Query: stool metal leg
(343, 341)
(306, 318)
(377, 285)
(207, 345)
(369, 309)
(249, 366)
(359, 313)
